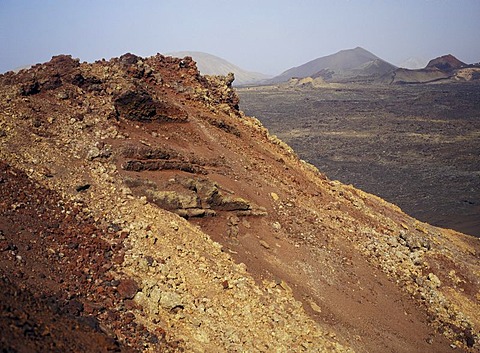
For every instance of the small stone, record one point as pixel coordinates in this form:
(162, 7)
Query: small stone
(285, 286)
(62, 95)
(315, 307)
(201, 336)
(246, 224)
(233, 220)
(126, 191)
(276, 226)
(232, 231)
(170, 300)
(93, 153)
(274, 196)
(434, 280)
(264, 244)
(82, 187)
(127, 288)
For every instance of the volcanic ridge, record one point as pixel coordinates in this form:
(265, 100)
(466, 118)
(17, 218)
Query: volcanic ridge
(141, 210)
(361, 66)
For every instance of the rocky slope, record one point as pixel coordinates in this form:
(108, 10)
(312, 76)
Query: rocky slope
(142, 211)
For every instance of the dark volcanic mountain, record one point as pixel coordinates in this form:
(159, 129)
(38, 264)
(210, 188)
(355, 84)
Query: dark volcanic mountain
(346, 65)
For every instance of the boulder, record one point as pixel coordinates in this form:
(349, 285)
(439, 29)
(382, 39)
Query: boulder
(172, 200)
(136, 105)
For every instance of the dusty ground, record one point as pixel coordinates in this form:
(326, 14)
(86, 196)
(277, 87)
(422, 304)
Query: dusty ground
(210, 234)
(417, 146)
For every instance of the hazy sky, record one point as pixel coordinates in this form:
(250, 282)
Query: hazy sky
(259, 35)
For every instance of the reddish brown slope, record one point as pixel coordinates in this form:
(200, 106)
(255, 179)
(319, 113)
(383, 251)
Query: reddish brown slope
(446, 63)
(148, 135)
(56, 288)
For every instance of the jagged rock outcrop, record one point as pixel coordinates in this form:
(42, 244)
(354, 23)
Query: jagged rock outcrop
(273, 255)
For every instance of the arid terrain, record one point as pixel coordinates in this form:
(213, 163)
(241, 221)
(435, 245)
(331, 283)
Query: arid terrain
(142, 211)
(417, 146)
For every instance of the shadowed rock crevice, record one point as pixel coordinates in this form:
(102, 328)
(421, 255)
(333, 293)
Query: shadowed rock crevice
(139, 105)
(144, 152)
(151, 165)
(161, 158)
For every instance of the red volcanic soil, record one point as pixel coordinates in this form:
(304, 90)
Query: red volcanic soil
(446, 63)
(55, 283)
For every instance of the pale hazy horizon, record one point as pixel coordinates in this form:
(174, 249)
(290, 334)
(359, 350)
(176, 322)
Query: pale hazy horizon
(263, 36)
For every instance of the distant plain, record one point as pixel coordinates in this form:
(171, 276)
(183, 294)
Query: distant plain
(417, 146)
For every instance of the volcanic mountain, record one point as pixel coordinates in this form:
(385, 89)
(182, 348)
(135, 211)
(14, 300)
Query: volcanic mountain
(446, 63)
(140, 210)
(446, 68)
(346, 65)
(209, 64)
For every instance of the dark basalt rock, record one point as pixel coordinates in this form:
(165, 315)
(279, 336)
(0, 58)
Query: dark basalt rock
(129, 59)
(136, 105)
(139, 105)
(87, 83)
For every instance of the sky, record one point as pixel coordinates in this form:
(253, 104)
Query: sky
(265, 36)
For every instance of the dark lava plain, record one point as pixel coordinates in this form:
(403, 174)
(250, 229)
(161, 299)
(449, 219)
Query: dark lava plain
(417, 146)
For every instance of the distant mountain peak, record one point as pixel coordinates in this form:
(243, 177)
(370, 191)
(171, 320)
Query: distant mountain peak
(209, 64)
(413, 63)
(347, 64)
(359, 49)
